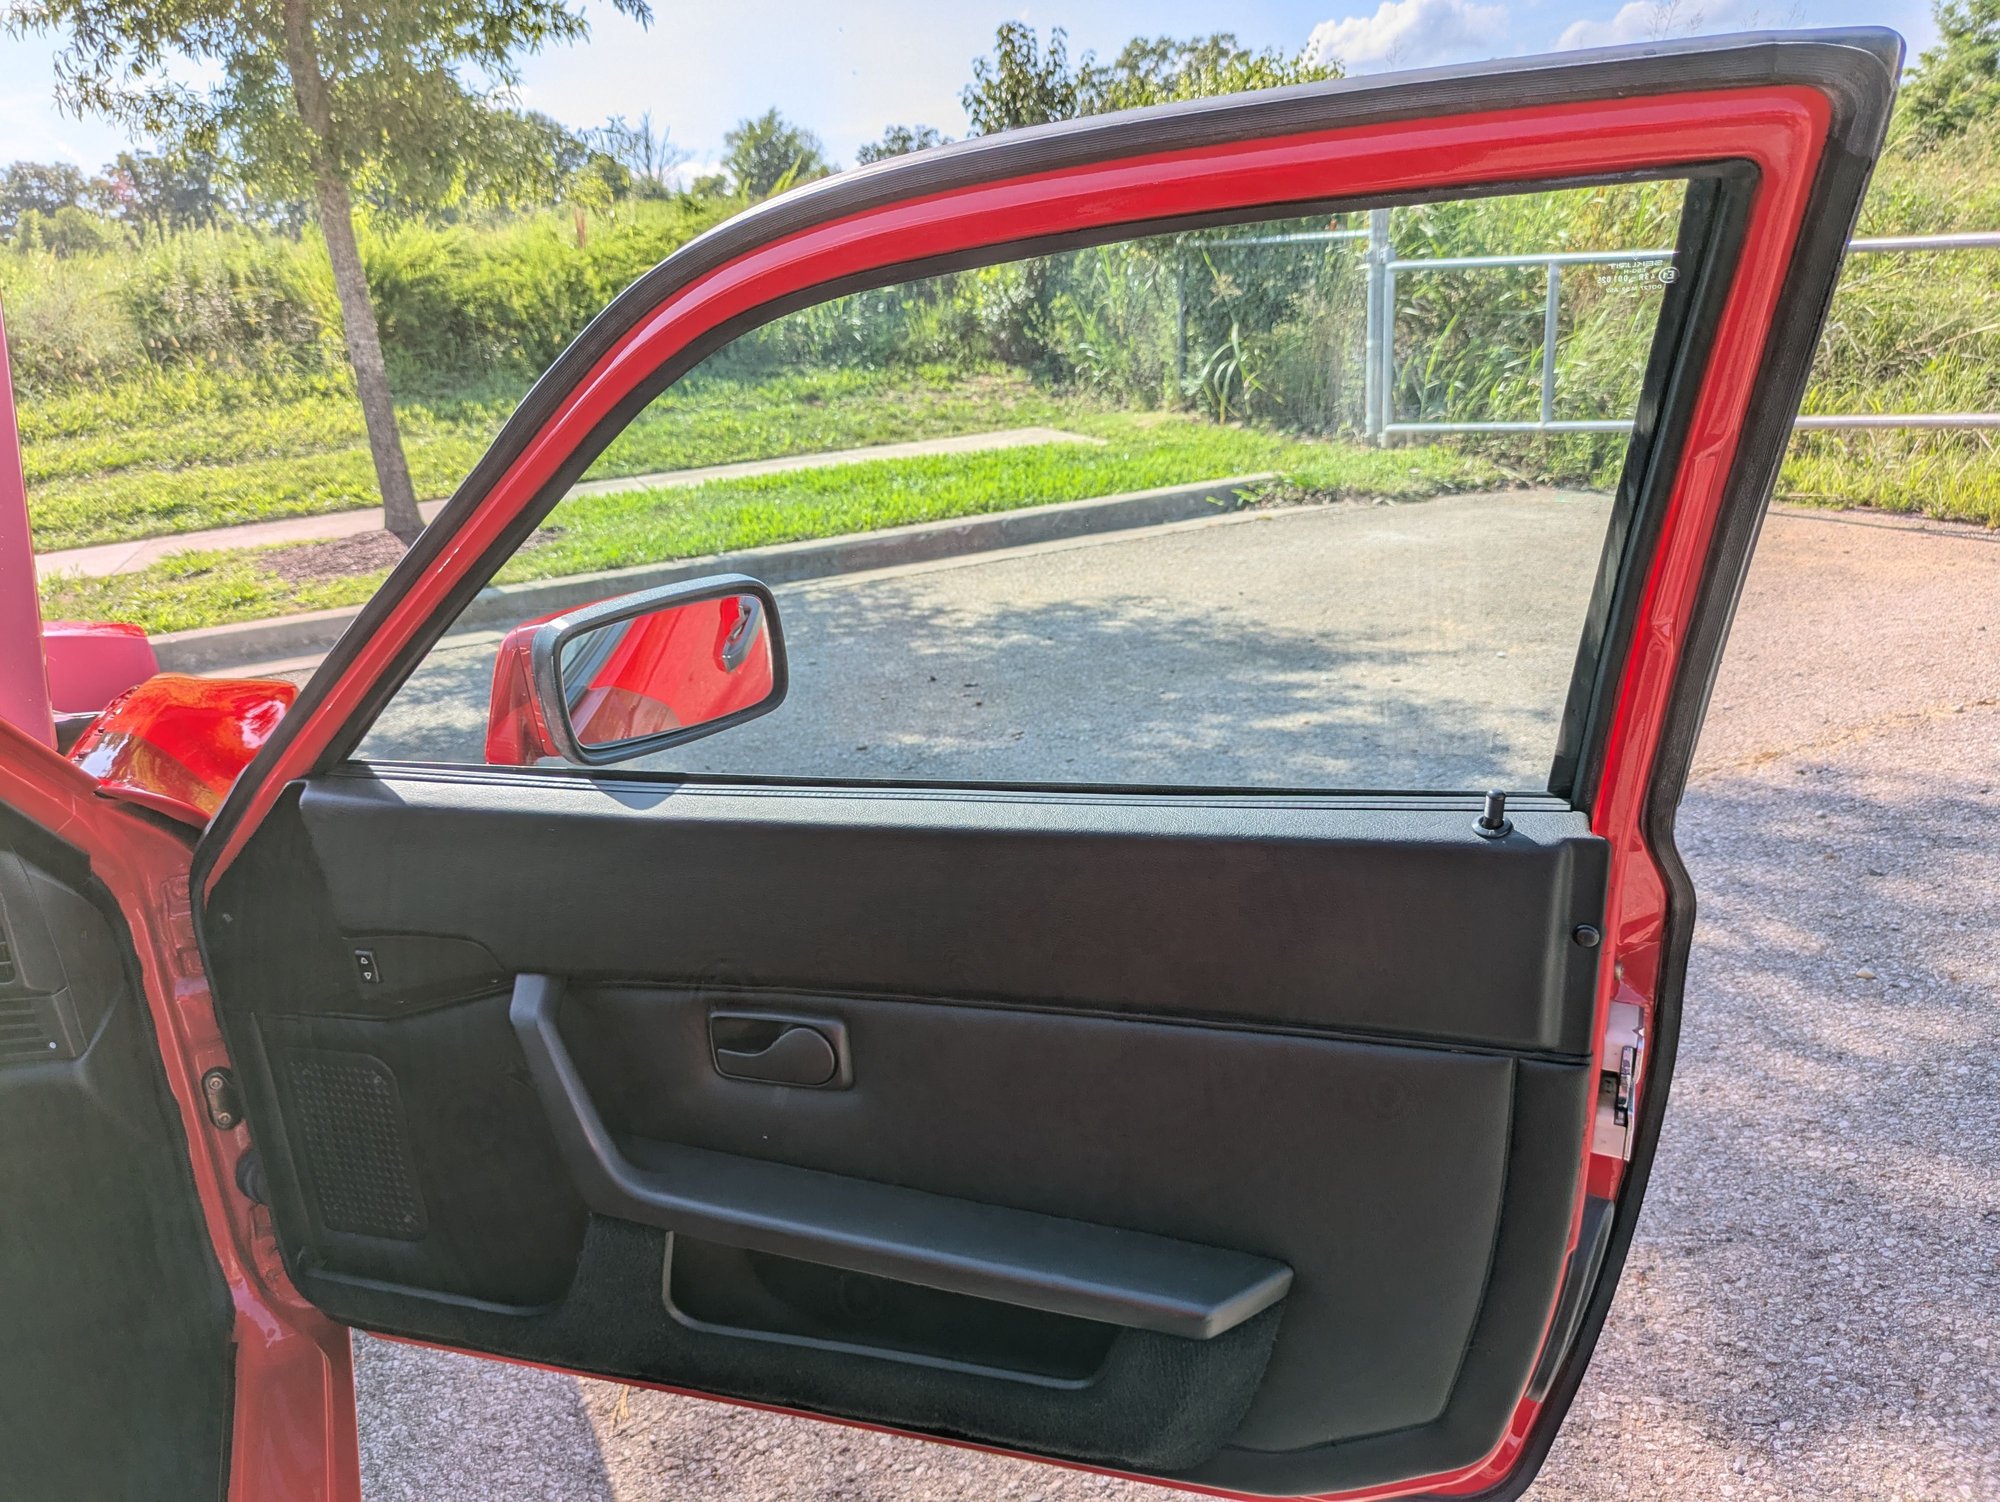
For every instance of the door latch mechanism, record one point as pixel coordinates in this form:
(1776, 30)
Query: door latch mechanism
(218, 1093)
(1619, 1055)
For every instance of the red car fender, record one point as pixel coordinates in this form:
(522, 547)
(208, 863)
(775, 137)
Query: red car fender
(176, 743)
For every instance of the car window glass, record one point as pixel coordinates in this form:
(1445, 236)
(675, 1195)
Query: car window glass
(1183, 509)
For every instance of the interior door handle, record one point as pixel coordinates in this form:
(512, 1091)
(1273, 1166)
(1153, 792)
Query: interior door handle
(778, 1050)
(1076, 1268)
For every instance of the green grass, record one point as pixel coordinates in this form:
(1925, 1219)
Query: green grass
(1138, 453)
(186, 590)
(184, 455)
(627, 528)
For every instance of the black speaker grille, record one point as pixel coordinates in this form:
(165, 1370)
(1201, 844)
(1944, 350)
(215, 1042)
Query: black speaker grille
(350, 1127)
(24, 1031)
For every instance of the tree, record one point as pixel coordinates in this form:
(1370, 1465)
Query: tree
(38, 188)
(647, 155)
(1023, 84)
(524, 159)
(770, 153)
(1160, 70)
(315, 98)
(900, 140)
(1020, 84)
(160, 191)
(1955, 84)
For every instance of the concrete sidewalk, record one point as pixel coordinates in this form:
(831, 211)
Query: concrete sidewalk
(129, 557)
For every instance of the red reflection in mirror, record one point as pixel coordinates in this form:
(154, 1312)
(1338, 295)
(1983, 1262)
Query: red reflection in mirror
(681, 666)
(685, 665)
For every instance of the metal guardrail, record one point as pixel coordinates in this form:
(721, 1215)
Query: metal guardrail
(1380, 358)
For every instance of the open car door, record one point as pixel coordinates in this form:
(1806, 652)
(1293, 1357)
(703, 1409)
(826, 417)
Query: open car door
(1279, 1141)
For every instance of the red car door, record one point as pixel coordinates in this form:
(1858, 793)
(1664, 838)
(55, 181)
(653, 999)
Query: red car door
(1273, 1142)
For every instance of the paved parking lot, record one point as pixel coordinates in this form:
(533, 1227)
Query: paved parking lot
(1812, 1309)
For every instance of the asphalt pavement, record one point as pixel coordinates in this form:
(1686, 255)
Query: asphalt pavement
(1812, 1307)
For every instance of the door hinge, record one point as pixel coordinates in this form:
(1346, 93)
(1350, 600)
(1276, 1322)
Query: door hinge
(1620, 1053)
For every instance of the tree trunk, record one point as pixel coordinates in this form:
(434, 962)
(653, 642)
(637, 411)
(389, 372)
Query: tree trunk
(364, 353)
(362, 334)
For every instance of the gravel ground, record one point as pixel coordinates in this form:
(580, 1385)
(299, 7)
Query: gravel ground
(1812, 1307)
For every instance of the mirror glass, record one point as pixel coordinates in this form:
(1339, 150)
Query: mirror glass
(675, 668)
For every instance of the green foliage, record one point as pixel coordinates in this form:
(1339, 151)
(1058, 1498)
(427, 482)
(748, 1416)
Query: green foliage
(38, 188)
(1053, 329)
(521, 160)
(900, 140)
(455, 301)
(1160, 70)
(69, 231)
(400, 92)
(647, 156)
(223, 297)
(66, 330)
(1020, 83)
(1023, 83)
(1955, 84)
(768, 154)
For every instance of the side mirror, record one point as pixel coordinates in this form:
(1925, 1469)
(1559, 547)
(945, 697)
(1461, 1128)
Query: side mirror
(635, 675)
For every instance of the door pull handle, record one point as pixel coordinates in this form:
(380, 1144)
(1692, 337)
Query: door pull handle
(810, 1053)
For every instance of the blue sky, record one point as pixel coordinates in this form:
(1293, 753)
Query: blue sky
(847, 68)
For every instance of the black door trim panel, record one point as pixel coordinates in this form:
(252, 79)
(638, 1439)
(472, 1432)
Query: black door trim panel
(1358, 916)
(1060, 1266)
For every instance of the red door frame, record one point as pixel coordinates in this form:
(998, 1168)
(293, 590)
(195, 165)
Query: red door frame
(294, 1427)
(292, 1434)
(24, 679)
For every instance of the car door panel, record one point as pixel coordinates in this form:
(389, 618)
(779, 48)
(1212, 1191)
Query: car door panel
(1260, 1040)
(1344, 1049)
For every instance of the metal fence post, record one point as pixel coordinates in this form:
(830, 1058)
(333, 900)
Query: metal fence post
(1374, 399)
(1379, 359)
(1549, 343)
(1386, 383)
(1180, 322)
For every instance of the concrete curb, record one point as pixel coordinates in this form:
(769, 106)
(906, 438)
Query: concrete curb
(214, 648)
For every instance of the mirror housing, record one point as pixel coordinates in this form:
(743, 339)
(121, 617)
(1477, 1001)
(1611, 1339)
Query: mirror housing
(637, 674)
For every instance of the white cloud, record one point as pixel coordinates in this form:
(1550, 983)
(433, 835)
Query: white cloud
(687, 174)
(35, 130)
(1413, 33)
(1656, 20)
